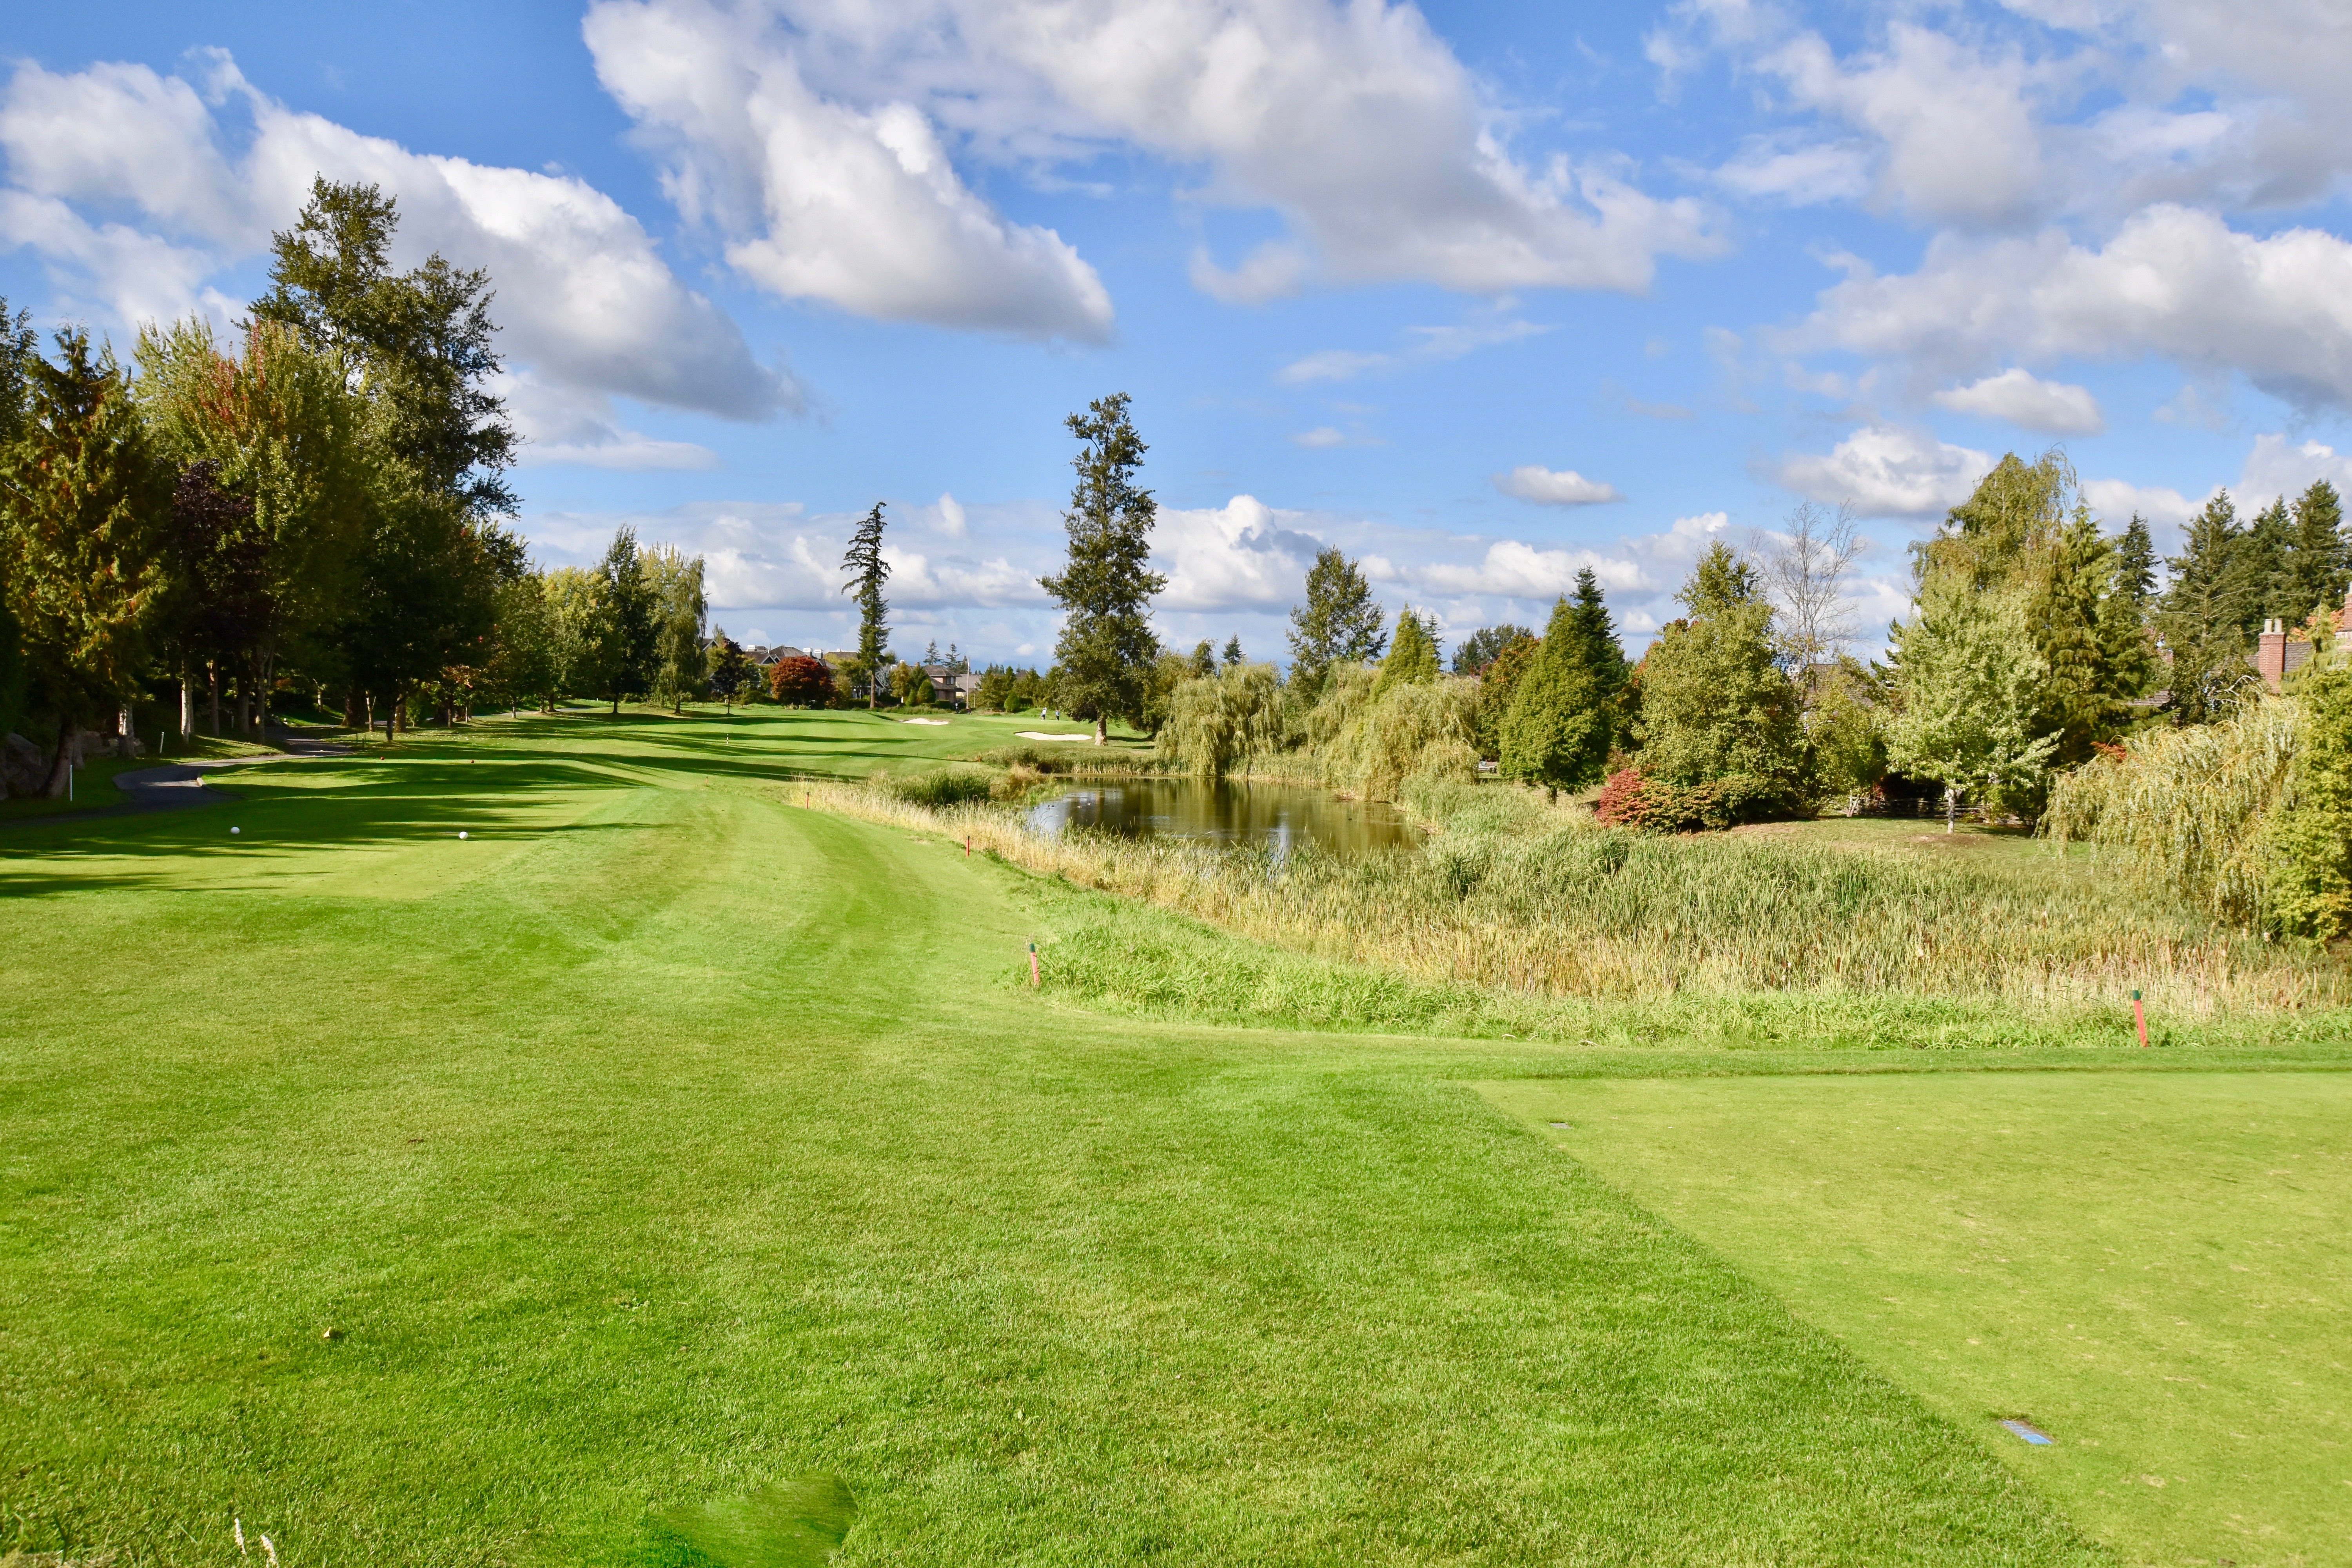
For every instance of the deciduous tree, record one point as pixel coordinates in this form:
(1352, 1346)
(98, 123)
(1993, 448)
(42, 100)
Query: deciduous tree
(1339, 622)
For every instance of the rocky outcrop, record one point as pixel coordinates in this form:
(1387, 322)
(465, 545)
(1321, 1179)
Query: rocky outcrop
(24, 768)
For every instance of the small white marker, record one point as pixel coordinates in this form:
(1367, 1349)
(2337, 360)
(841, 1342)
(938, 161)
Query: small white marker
(461, 833)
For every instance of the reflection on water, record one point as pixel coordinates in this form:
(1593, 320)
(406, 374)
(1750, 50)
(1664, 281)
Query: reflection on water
(1278, 817)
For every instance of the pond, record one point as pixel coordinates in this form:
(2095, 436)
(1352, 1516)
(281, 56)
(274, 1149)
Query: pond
(1278, 817)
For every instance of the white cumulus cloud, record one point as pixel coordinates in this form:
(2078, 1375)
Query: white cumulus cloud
(1886, 470)
(584, 298)
(1549, 486)
(2173, 281)
(1241, 554)
(856, 204)
(1381, 155)
(2024, 399)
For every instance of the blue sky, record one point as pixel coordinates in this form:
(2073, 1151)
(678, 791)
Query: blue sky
(1481, 294)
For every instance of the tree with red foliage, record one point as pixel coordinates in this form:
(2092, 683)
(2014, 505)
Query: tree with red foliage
(802, 682)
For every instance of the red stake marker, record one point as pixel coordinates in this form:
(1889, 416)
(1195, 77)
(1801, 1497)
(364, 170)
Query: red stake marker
(1032, 966)
(2140, 1017)
(967, 846)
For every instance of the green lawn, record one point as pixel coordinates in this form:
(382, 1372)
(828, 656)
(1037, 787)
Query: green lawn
(669, 1174)
(2154, 1269)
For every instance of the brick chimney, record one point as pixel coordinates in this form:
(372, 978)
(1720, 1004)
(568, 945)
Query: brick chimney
(2270, 654)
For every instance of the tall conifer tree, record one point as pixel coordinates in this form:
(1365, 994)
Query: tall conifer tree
(2322, 558)
(2203, 615)
(867, 571)
(1558, 732)
(1107, 648)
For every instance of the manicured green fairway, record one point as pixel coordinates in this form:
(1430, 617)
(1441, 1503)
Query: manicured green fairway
(664, 1154)
(2155, 1267)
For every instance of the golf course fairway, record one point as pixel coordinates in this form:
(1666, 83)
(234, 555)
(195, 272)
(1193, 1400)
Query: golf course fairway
(666, 1174)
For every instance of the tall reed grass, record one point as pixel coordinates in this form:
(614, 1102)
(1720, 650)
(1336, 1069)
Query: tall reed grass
(1521, 900)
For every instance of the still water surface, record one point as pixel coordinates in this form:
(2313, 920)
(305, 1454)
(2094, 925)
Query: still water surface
(1277, 816)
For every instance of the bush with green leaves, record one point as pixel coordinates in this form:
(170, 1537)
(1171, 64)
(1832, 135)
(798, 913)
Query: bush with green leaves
(2307, 841)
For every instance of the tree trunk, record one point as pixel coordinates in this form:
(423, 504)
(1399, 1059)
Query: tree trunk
(187, 697)
(1951, 808)
(355, 714)
(1102, 729)
(61, 769)
(212, 692)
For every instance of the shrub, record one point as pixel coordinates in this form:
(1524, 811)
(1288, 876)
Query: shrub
(1633, 799)
(953, 787)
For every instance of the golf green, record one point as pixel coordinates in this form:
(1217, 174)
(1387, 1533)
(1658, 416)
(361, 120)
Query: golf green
(2151, 1268)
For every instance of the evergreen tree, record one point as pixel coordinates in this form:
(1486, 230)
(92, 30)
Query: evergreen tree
(1557, 733)
(1412, 661)
(1714, 702)
(1603, 653)
(867, 571)
(2136, 565)
(2322, 557)
(2081, 700)
(627, 602)
(2204, 613)
(83, 503)
(1203, 662)
(1107, 648)
(1233, 656)
(2265, 560)
(1339, 621)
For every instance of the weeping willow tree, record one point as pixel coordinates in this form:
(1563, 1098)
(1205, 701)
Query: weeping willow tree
(1371, 743)
(2185, 809)
(1215, 722)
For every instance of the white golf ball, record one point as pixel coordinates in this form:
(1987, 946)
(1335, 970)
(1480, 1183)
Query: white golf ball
(237, 830)
(461, 835)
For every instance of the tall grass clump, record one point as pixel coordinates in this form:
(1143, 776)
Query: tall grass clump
(1524, 901)
(2183, 810)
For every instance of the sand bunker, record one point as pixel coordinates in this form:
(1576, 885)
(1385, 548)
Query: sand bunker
(1041, 735)
(922, 721)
